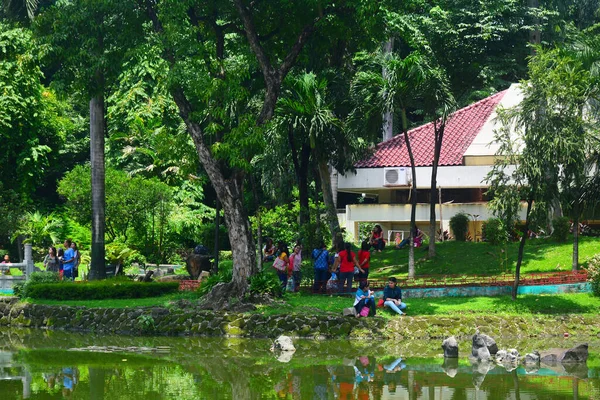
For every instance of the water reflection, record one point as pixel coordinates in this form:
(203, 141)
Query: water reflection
(246, 370)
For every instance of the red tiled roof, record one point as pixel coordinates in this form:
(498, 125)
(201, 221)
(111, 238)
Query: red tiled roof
(461, 129)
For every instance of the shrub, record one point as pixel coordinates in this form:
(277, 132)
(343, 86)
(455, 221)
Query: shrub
(593, 268)
(494, 232)
(22, 289)
(206, 235)
(265, 283)
(561, 227)
(108, 289)
(460, 226)
(224, 276)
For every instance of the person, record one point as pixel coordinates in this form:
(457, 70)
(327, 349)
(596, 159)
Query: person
(392, 296)
(364, 257)
(348, 261)
(377, 238)
(282, 254)
(68, 260)
(417, 241)
(51, 261)
(335, 264)
(295, 266)
(77, 258)
(269, 251)
(397, 240)
(321, 257)
(61, 256)
(6, 259)
(364, 298)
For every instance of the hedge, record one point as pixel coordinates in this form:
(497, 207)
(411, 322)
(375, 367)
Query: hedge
(100, 290)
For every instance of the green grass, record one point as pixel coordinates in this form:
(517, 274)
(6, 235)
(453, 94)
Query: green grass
(578, 303)
(161, 301)
(467, 258)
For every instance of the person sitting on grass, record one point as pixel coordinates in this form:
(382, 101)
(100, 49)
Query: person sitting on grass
(392, 296)
(364, 298)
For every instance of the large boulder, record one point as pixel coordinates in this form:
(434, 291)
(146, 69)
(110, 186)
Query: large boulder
(450, 346)
(479, 349)
(283, 343)
(577, 354)
(490, 343)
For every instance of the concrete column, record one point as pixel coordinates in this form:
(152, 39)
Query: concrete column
(28, 260)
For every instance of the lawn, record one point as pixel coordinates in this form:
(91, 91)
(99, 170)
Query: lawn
(578, 303)
(467, 258)
(161, 301)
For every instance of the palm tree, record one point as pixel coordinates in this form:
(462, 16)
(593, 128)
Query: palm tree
(21, 8)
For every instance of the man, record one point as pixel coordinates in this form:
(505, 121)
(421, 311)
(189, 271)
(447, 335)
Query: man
(68, 260)
(392, 296)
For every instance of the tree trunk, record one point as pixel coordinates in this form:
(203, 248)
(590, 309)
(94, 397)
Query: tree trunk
(303, 184)
(259, 253)
(388, 114)
(216, 250)
(521, 249)
(439, 136)
(97, 267)
(575, 264)
(331, 212)
(413, 200)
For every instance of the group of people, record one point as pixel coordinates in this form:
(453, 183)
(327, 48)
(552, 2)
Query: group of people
(64, 261)
(364, 300)
(288, 265)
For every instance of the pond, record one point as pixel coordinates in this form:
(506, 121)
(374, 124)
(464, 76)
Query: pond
(53, 365)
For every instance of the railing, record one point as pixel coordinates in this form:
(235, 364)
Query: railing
(438, 281)
(7, 281)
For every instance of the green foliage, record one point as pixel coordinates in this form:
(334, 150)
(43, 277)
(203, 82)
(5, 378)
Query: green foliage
(494, 232)
(108, 289)
(224, 276)
(265, 283)
(561, 226)
(365, 229)
(146, 323)
(593, 270)
(22, 289)
(118, 253)
(39, 230)
(459, 224)
(206, 236)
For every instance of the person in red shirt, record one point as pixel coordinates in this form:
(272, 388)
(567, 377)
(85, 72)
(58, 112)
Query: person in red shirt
(347, 263)
(364, 257)
(377, 238)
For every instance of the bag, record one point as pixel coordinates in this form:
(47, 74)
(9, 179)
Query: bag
(364, 312)
(356, 271)
(380, 303)
(332, 283)
(279, 264)
(290, 285)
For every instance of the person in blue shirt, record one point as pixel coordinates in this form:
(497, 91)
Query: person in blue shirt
(68, 260)
(392, 296)
(321, 257)
(364, 298)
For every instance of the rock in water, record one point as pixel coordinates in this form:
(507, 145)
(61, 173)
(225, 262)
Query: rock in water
(450, 346)
(490, 343)
(578, 354)
(532, 358)
(479, 350)
(283, 343)
(501, 356)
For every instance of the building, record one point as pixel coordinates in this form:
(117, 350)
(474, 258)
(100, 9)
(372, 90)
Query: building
(382, 181)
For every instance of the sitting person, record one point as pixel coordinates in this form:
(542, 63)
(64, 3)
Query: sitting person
(417, 239)
(392, 296)
(364, 298)
(377, 238)
(269, 251)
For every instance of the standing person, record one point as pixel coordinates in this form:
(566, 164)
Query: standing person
(321, 257)
(68, 260)
(77, 258)
(61, 256)
(51, 261)
(348, 261)
(392, 296)
(296, 265)
(282, 263)
(377, 238)
(364, 257)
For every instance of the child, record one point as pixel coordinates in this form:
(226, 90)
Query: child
(397, 240)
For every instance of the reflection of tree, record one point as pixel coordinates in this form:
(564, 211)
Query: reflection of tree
(96, 377)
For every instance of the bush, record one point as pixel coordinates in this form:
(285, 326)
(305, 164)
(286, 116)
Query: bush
(22, 289)
(108, 289)
(206, 236)
(460, 226)
(494, 232)
(224, 276)
(593, 268)
(561, 226)
(265, 283)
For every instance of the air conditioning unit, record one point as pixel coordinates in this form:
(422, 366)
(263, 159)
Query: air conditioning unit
(397, 176)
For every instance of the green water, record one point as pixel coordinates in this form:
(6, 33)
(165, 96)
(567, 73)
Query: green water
(43, 365)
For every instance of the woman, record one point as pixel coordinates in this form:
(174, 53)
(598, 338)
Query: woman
(364, 298)
(51, 261)
(417, 239)
(364, 257)
(295, 266)
(282, 263)
(377, 238)
(77, 258)
(348, 261)
(269, 251)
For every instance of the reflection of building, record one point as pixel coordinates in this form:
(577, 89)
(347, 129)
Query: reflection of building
(468, 153)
